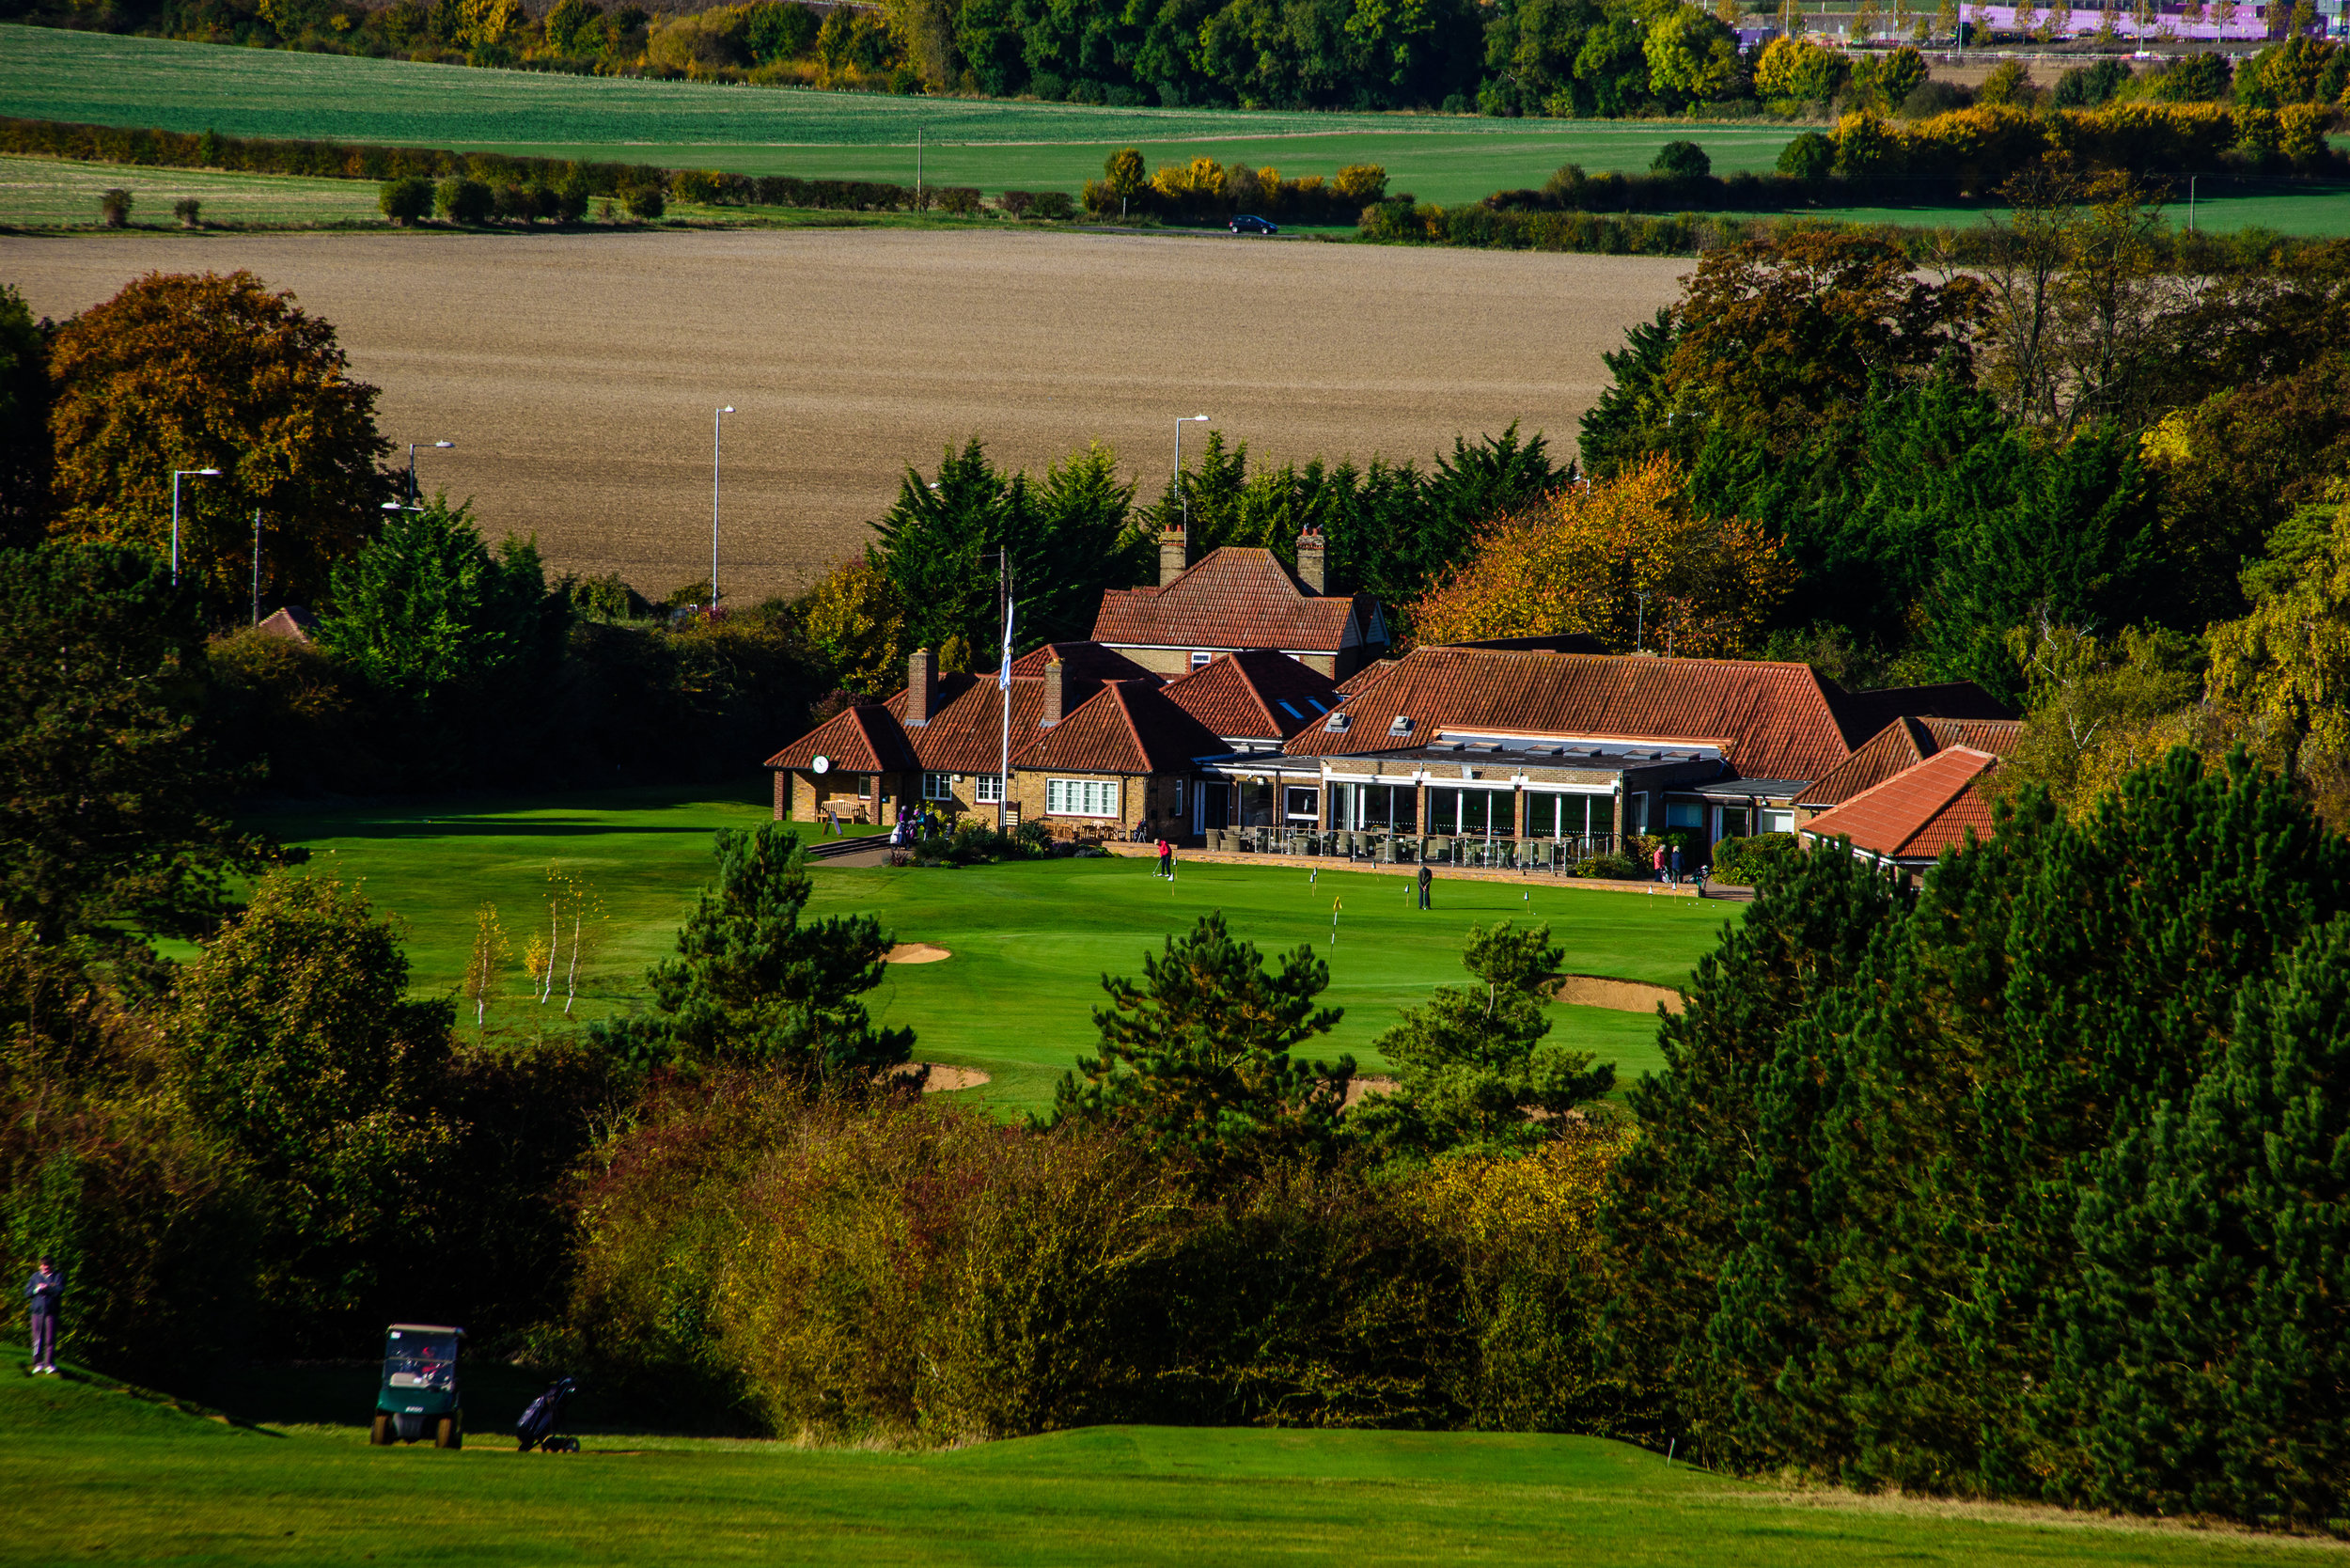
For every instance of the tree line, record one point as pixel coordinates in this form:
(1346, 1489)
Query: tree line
(1553, 58)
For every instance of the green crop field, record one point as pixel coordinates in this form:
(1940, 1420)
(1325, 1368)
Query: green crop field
(91, 1473)
(51, 193)
(1029, 940)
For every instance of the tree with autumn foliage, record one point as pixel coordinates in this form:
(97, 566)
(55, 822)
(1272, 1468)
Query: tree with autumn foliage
(200, 370)
(1627, 560)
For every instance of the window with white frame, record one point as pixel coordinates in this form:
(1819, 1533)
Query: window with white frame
(988, 787)
(938, 785)
(1775, 820)
(1081, 797)
(1201, 659)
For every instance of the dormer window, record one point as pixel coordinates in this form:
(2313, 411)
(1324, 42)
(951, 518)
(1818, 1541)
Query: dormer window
(1335, 724)
(1403, 726)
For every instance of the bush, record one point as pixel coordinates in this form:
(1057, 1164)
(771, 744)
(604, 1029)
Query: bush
(1809, 156)
(1740, 862)
(189, 211)
(1615, 868)
(463, 201)
(1681, 160)
(645, 203)
(1016, 202)
(958, 199)
(1055, 205)
(114, 206)
(406, 200)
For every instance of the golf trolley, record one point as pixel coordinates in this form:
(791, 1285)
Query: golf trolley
(536, 1430)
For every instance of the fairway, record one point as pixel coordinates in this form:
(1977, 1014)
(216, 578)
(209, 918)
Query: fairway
(1030, 940)
(92, 1475)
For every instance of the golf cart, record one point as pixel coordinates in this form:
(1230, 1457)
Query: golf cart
(418, 1396)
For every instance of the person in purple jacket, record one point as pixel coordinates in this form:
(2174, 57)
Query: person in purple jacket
(45, 1294)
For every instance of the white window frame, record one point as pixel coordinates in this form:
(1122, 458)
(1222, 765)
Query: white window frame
(938, 785)
(1289, 810)
(1777, 819)
(987, 789)
(1201, 658)
(1082, 797)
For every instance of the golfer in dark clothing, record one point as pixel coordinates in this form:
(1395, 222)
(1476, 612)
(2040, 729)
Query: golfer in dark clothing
(1426, 876)
(1676, 863)
(45, 1291)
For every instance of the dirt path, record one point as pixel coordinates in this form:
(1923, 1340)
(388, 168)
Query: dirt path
(577, 374)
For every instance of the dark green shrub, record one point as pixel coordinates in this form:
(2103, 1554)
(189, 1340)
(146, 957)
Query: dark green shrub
(961, 200)
(1809, 156)
(190, 213)
(463, 201)
(1740, 862)
(1681, 160)
(1615, 867)
(114, 206)
(645, 202)
(407, 200)
(1055, 205)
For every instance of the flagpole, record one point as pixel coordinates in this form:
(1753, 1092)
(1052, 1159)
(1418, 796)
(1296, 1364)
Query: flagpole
(1003, 685)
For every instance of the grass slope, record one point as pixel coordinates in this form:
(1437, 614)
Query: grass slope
(1030, 940)
(92, 1475)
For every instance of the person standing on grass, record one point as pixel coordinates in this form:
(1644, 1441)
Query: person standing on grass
(1167, 860)
(1656, 863)
(1426, 878)
(1676, 865)
(45, 1293)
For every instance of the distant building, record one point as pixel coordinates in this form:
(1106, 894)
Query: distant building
(1906, 820)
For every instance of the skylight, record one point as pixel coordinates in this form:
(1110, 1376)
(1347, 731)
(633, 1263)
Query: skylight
(1291, 711)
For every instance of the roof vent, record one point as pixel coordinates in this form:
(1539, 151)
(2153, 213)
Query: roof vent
(1403, 726)
(1335, 724)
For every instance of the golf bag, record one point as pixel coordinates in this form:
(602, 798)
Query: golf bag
(537, 1427)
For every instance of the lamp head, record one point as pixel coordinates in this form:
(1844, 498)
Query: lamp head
(213, 473)
(726, 411)
(1200, 418)
(445, 443)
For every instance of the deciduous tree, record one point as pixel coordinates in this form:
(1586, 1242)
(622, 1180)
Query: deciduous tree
(189, 372)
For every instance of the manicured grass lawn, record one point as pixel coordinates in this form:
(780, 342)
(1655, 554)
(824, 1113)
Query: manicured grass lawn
(1030, 940)
(89, 1475)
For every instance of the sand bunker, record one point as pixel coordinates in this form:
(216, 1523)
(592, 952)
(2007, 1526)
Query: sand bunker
(1617, 994)
(943, 1079)
(915, 952)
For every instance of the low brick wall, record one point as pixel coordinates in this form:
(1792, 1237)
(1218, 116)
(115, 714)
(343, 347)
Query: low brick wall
(1443, 873)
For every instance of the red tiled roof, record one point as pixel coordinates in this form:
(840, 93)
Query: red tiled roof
(1241, 695)
(1128, 727)
(1903, 743)
(860, 739)
(966, 729)
(1771, 720)
(1918, 812)
(1234, 598)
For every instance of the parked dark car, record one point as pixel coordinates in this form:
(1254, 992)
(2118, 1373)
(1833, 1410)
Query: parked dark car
(1249, 224)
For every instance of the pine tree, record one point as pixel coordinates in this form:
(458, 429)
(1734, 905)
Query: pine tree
(755, 984)
(1196, 1059)
(1471, 1065)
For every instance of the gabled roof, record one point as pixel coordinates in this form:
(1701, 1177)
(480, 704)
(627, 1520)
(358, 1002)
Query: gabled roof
(1770, 720)
(1254, 695)
(966, 729)
(1903, 744)
(1128, 727)
(863, 738)
(1918, 812)
(1237, 598)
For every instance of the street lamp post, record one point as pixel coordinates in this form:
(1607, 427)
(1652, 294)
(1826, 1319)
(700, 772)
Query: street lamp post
(438, 445)
(176, 476)
(1181, 420)
(716, 425)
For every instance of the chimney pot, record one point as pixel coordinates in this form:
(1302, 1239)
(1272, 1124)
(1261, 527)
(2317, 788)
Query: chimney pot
(921, 687)
(1053, 691)
(1310, 569)
(1174, 554)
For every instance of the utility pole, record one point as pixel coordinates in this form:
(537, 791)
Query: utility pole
(256, 566)
(716, 421)
(1003, 686)
(917, 168)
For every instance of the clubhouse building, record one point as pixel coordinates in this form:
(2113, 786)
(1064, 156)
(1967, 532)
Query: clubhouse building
(1235, 700)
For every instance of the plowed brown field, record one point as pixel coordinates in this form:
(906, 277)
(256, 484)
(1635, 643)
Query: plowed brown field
(577, 374)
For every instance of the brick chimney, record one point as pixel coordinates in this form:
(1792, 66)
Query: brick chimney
(1054, 690)
(1174, 554)
(1310, 560)
(921, 686)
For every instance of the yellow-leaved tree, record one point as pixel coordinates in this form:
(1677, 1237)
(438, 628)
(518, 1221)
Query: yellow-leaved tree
(2284, 669)
(1627, 560)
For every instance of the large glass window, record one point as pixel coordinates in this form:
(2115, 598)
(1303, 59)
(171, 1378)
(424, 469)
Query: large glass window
(1775, 820)
(1473, 812)
(1301, 804)
(938, 785)
(1081, 797)
(1549, 816)
(1374, 808)
(1733, 822)
(1684, 814)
